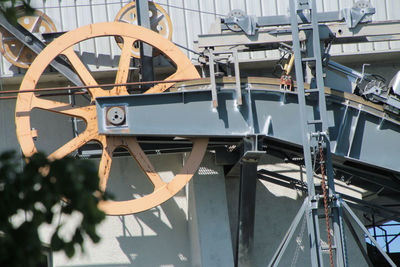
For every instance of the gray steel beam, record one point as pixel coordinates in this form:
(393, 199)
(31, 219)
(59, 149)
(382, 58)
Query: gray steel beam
(146, 51)
(366, 232)
(339, 33)
(358, 242)
(247, 202)
(288, 236)
(268, 112)
(281, 20)
(36, 45)
(312, 209)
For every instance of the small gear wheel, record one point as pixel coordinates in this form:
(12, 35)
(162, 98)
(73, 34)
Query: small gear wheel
(235, 13)
(16, 52)
(160, 22)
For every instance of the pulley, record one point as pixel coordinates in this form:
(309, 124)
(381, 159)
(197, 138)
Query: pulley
(160, 23)
(28, 102)
(16, 52)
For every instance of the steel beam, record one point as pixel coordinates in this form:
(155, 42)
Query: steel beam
(264, 111)
(247, 202)
(146, 51)
(366, 232)
(267, 38)
(288, 236)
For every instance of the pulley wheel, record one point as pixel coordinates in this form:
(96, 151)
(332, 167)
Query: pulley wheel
(64, 45)
(15, 51)
(160, 23)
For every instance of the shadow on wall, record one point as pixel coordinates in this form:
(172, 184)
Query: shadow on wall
(157, 237)
(273, 216)
(168, 247)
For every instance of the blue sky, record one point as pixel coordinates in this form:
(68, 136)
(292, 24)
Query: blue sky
(394, 246)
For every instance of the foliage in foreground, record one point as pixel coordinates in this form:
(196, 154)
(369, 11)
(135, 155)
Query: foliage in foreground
(36, 191)
(10, 9)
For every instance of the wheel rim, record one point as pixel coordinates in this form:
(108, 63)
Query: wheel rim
(63, 45)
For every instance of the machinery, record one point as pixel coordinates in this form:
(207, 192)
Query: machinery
(246, 118)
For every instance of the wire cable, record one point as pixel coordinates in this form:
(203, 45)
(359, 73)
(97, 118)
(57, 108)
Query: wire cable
(126, 2)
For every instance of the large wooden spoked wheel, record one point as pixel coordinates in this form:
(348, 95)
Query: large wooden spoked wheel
(63, 45)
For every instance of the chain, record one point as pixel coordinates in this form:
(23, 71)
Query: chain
(323, 185)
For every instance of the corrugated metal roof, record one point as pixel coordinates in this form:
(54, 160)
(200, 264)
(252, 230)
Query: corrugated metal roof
(189, 18)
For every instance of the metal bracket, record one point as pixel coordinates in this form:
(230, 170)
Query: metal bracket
(238, 19)
(211, 54)
(359, 12)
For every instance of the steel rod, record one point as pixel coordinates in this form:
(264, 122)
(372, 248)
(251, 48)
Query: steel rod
(93, 86)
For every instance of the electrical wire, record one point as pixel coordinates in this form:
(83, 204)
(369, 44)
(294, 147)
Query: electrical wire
(126, 2)
(79, 88)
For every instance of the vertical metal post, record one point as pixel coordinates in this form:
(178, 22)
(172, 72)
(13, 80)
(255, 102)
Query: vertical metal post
(337, 222)
(237, 77)
(312, 215)
(212, 78)
(247, 202)
(146, 51)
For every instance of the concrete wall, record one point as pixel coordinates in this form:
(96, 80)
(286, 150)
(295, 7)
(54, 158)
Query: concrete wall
(194, 228)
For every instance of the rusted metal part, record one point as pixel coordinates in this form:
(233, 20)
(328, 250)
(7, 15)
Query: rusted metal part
(160, 22)
(286, 80)
(325, 193)
(27, 101)
(13, 50)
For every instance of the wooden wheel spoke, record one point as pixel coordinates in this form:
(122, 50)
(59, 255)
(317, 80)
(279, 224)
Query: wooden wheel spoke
(20, 52)
(136, 151)
(61, 107)
(124, 64)
(105, 164)
(71, 145)
(36, 24)
(161, 87)
(81, 70)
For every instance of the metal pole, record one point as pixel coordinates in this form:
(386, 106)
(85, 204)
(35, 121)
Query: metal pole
(365, 230)
(288, 236)
(357, 240)
(146, 51)
(247, 203)
(312, 215)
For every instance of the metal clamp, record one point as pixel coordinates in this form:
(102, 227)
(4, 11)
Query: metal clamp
(237, 20)
(359, 12)
(233, 54)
